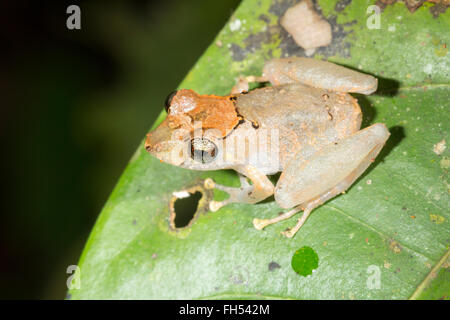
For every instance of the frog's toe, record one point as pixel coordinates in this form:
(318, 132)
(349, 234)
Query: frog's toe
(216, 205)
(292, 231)
(288, 233)
(260, 224)
(209, 184)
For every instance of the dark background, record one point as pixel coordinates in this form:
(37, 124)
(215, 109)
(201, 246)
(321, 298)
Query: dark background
(74, 106)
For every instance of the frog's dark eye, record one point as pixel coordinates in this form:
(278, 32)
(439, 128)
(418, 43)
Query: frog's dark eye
(203, 150)
(169, 100)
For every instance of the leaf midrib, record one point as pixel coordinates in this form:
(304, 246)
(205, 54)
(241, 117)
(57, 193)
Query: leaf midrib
(423, 285)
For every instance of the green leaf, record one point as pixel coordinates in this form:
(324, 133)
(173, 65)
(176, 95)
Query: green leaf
(437, 283)
(385, 230)
(304, 261)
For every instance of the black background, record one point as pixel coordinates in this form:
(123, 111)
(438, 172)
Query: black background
(74, 106)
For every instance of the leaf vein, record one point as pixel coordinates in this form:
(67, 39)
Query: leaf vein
(381, 234)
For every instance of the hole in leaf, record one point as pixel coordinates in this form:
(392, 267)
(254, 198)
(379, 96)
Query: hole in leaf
(187, 205)
(185, 209)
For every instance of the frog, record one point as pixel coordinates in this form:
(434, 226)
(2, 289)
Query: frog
(312, 125)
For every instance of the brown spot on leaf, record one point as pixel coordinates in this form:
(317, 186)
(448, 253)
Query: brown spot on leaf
(395, 246)
(273, 265)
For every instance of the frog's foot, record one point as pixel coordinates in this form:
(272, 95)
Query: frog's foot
(247, 193)
(289, 233)
(235, 194)
(215, 205)
(307, 208)
(242, 84)
(310, 206)
(262, 223)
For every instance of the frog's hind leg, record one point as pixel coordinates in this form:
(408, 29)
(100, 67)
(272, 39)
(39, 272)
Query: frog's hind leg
(319, 74)
(307, 209)
(310, 206)
(308, 183)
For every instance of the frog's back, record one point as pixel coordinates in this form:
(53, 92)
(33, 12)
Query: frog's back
(303, 115)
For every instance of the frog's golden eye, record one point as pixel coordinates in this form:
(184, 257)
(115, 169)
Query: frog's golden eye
(203, 150)
(169, 100)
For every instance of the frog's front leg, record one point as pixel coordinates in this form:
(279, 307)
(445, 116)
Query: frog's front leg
(261, 188)
(242, 85)
(307, 183)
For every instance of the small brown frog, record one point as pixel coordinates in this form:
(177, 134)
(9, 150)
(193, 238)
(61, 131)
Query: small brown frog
(311, 133)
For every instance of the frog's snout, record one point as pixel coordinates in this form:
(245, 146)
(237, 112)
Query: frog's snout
(155, 141)
(155, 145)
(169, 151)
(149, 144)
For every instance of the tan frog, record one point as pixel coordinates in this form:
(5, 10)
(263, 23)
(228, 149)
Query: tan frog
(305, 125)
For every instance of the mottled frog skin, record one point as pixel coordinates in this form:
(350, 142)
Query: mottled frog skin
(305, 116)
